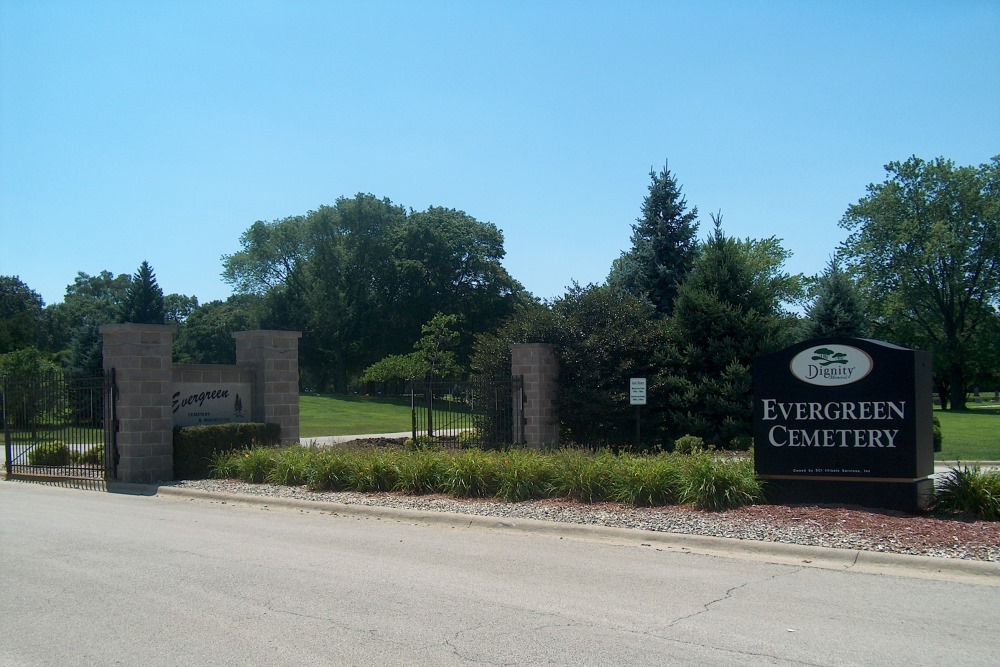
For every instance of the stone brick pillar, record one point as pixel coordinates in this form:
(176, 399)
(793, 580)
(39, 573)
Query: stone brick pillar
(140, 357)
(536, 363)
(274, 356)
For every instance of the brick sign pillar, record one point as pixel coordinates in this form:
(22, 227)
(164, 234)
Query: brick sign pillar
(274, 357)
(140, 357)
(536, 363)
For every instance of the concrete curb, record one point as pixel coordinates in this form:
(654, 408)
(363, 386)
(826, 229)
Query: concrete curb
(867, 562)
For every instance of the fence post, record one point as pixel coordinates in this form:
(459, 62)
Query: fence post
(536, 363)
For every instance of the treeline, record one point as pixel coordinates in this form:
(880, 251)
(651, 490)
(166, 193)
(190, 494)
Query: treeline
(380, 291)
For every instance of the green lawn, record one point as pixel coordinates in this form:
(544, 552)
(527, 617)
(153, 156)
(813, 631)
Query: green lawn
(323, 414)
(973, 435)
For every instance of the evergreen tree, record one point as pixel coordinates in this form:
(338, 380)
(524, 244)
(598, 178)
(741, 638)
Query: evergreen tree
(144, 299)
(664, 246)
(836, 310)
(727, 312)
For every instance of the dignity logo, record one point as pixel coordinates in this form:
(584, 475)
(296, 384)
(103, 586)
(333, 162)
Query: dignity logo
(832, 365)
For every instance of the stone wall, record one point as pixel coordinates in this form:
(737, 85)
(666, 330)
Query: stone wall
(140, 357)
(274, 357)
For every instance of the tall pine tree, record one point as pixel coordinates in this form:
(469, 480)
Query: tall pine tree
(728, 312)
(664, 246)
(144, 299)
(836, 310)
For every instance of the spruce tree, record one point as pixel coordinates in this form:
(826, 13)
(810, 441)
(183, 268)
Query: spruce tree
(144, 299)
(836, 311)
(664, 245)
(727, 312)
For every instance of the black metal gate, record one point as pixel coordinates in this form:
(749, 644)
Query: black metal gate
(57, 427)
(477, 413)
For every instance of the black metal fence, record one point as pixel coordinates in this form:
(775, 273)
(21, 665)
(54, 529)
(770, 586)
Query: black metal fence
(478, 413)
(54, 426)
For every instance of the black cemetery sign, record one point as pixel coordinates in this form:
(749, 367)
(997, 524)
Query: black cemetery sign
(845, 420)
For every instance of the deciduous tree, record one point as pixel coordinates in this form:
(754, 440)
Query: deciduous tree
(925, 245)
(20, 314)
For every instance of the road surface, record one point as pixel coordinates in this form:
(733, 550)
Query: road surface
(93, 578)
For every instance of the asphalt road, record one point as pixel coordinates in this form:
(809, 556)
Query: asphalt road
(92, 578)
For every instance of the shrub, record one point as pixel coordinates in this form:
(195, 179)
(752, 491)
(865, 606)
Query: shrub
(92, 456)
(291, 467)
(938, 438)
(256, 464)
(714, 483)
(421, 472)
(964, 490)
(195, 446)
(331, 470)
(52, 453)
(583, 476)
(648, 480)
(472, 473)
(523, 474)
(688, 444)
(225, 465)
(375, 471)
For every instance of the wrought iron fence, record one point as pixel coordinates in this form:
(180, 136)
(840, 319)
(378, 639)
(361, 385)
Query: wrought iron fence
(478, 413)
(54, 426)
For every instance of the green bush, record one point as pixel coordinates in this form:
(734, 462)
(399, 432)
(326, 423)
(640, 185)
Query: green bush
(715, 483)
(649, 481)
(701, 478)
(331, 470)
(938, 438)
(971, 491)
(421, 472)
(523, 474)
(195, 447)
(472, 473)
(688, 444)
(291, 467)
(579, 475)
(375, 471)
(53, 453)
(256, 465)
(92, 456)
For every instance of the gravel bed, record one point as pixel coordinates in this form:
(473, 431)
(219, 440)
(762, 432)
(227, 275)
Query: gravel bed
(841, 527)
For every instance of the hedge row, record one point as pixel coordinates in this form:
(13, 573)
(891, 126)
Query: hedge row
(195, 446)
(702, 478)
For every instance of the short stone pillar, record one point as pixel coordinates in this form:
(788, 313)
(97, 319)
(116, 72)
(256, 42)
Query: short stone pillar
(139, 354)
(536, 364)
(274, 356)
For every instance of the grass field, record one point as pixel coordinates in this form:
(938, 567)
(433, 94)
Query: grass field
(323, 414)
(973, 435)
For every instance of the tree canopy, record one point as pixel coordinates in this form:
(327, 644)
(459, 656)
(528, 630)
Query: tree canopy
(925, 247)
(664, 245)
(20, 314)
(360, 278)
(836, 310)
(143, 298)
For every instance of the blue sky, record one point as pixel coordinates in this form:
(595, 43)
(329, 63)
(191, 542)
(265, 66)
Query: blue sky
(160, 131)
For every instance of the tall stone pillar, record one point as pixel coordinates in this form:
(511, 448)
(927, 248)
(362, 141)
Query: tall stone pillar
(140, 357)
(274, 356)
(536, 363)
